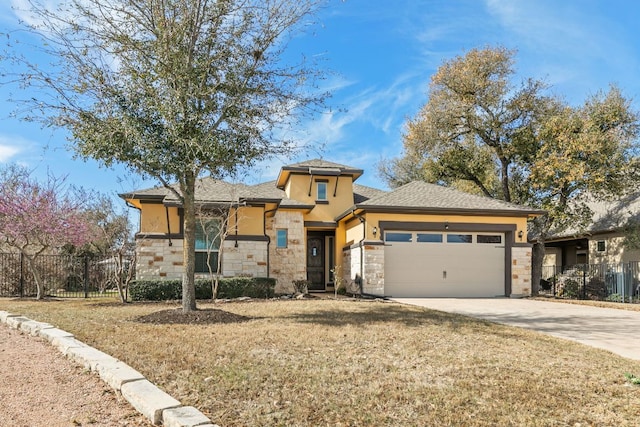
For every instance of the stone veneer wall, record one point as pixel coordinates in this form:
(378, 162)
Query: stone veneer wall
(373, 280)
(248, 259)
(520, 271)
(287, 264)
(373, 269)
(155, 259)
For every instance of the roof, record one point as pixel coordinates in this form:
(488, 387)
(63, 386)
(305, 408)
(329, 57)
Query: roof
(424, 197)
(317, 167)
(212, 191)
(608, 215)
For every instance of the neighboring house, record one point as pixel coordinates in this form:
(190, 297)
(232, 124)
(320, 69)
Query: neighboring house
(601, 242)
(419, 240)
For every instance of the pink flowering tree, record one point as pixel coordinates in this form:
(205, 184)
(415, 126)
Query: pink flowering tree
(37, 218)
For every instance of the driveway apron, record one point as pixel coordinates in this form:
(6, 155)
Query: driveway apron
(611, 329)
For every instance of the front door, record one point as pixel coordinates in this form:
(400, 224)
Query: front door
(315, 262)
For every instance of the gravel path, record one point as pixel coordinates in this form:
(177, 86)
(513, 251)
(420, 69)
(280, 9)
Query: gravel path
(40, 387)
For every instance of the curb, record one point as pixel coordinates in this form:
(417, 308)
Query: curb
(145, 397)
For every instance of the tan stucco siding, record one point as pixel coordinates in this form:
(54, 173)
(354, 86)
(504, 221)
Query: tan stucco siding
(354, 232)
(297, 188)
(250, 221)
(614, 252)
(153, 218)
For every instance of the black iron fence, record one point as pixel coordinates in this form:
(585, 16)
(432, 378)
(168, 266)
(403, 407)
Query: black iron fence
(61, 276)
(605, 282)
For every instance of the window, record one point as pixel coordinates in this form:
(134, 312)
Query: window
(207, 245)
(459, 238)
(484, 238)
(281, 238)
(601, 246)
(429, 238)
(322, 190)
(398, 237)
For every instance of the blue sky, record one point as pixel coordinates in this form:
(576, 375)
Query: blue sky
(381, 55)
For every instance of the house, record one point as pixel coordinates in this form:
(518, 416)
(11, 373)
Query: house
(601, 242)
(419, 240)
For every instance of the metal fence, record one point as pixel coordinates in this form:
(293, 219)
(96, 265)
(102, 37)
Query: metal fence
(605, 282)
(62, 276)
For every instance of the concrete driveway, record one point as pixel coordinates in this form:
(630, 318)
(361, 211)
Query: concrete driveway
(611, 329)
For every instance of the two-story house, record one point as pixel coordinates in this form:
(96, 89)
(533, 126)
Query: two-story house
(418, 240)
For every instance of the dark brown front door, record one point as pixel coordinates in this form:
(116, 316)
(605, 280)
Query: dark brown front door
(315, 262)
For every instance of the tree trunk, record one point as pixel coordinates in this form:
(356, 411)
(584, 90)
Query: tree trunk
(537, 256)
(36, 277)
(189, 243)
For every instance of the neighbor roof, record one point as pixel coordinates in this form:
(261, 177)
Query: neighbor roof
(608, 216)
(418, 196)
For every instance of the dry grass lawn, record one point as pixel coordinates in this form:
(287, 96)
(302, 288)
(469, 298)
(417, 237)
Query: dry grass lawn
(357, 363)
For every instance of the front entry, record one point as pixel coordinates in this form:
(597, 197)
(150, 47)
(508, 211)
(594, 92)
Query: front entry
(315, 261)
(320, 259)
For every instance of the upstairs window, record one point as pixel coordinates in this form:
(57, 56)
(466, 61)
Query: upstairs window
(321, 187)
(602, 246)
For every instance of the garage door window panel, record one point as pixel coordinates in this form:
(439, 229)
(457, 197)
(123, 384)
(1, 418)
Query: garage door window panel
(459, 238)
(429, 238)
(398, 237)
(492, 239)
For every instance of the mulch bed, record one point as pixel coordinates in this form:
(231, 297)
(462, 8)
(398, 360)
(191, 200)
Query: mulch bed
(198, 317)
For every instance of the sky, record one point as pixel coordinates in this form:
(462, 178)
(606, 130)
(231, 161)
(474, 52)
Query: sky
(380, 56)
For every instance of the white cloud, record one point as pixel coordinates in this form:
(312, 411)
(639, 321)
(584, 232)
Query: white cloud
(7, 152)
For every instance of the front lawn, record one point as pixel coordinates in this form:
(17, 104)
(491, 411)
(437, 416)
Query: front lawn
(355, 363)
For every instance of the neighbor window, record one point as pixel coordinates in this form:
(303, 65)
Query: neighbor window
(281, 238)
(601, 246)
(207, 245)
(322, 190)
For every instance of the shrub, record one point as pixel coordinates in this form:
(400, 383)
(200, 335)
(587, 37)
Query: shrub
(232, 287)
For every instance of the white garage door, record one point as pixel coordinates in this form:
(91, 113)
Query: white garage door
(432, 264)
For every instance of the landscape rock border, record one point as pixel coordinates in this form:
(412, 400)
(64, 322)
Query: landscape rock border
(156, 405)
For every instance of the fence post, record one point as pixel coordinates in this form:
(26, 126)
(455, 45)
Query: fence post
(86, 277)
(21, 276)
(584, 282)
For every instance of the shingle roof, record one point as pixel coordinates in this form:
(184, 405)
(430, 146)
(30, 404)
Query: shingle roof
(425, 196)
(319, 163)
(362, 193)
(607, 216)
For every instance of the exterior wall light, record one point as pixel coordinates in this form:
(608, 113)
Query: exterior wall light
(375, 231)
(520, 233)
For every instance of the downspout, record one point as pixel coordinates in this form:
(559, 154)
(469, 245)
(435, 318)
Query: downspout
(264, 230)
(166, 209)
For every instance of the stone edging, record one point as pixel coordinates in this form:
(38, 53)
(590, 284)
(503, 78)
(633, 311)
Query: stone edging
(145, 397)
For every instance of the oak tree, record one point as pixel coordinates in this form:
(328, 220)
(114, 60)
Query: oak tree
(483, 133)
(173, 89)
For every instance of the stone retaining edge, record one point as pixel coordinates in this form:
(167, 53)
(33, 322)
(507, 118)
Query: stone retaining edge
(159, 407)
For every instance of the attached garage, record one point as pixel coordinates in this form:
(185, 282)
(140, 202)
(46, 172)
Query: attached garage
(444, 264)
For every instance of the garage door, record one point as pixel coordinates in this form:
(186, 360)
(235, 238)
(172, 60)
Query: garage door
(431, 264)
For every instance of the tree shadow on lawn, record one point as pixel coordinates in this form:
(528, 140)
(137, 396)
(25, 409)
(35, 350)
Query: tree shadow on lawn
(383, 313)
